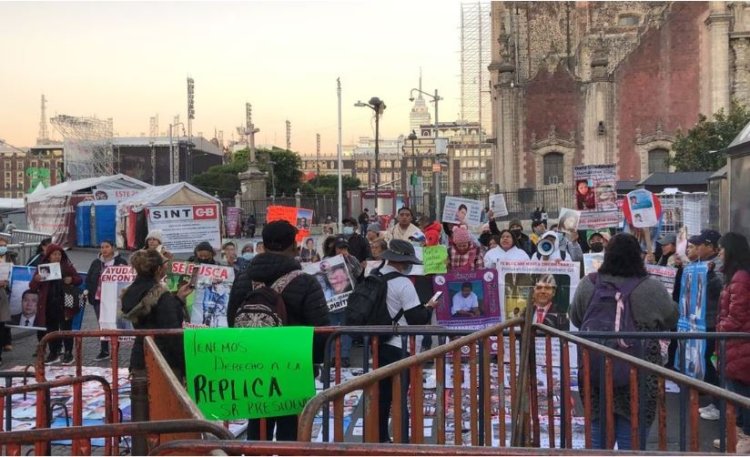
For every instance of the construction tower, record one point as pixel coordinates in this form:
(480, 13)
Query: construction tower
(87, 145)
(43, 137)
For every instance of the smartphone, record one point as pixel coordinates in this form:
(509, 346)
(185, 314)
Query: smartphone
(437, 296)
(194, 277)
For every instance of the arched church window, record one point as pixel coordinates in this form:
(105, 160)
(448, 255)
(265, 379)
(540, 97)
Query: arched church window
(657, 161)
(553, 168)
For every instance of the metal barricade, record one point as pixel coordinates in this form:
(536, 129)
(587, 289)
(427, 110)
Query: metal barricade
(9, 376)
(153, 430)
(28, 237)
(42, 390)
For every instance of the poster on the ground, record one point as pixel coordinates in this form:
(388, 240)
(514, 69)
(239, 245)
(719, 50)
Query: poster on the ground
(113, 280)
(469, 299)
(333, 276)
(596, 195)
(498, 206)
(665, 275)
(692, 307)
(183, 227)
(548, 286)
(240, 373)
(462, 211)
(211, 299)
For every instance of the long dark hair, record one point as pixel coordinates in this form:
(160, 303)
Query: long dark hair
(623, 257)
(736, 254)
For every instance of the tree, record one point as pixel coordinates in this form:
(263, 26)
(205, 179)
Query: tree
(329, 184)
(693, 151)
(287, 173)
(223, 179)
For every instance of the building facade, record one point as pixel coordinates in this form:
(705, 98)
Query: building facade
(608, 82)
(23, 171)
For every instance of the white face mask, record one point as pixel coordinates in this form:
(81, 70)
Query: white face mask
(348, 231)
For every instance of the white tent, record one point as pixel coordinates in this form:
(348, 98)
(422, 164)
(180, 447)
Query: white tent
(86, 186)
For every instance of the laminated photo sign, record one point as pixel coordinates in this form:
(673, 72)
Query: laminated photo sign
(596, 196)
(462, 211)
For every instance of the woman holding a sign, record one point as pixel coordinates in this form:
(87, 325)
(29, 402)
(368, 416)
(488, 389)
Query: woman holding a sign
(53, 311)
(107, 257)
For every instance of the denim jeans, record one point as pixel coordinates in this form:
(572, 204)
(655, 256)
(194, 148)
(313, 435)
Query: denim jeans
(622, 435)
(346, 340)
(742, 389)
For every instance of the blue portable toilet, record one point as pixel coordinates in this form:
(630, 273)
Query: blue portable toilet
(83, 224)
(104, 221)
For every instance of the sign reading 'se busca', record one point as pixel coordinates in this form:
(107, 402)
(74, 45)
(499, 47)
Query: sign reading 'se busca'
(185, 226)
(249, 373)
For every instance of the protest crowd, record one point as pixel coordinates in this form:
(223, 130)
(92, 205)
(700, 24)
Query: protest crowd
(468, 270)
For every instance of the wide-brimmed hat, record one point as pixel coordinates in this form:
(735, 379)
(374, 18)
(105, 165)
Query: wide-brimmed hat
(401, 251)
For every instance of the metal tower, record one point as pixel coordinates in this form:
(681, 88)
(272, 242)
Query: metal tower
(43, 132)
(288, 135)
(87, 145)
(154, 126)
(476, 104)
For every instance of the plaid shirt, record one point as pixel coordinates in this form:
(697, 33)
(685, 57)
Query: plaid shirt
(471, 260)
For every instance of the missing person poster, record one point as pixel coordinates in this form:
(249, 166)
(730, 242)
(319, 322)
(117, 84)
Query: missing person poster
(214, 282)
(50, 271)
(462, 211)
(665, 275)
(642, 209)
(592, 262)
(333, 276)
(469, 299)
(692, 307)
(568, 221)
(113, 280)
(19, 283)
(498, 206)
(548, 286)
(596, 196)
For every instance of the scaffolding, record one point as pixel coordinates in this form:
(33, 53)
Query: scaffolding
(476, 54)
(87, 146)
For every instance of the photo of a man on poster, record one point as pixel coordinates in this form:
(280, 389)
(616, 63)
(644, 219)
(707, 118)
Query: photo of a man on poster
(543, 297)
(465, 303)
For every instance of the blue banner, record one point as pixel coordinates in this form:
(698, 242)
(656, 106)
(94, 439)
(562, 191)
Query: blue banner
(692, 307)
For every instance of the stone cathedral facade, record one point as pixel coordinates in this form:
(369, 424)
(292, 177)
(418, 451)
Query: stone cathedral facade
(608, 82)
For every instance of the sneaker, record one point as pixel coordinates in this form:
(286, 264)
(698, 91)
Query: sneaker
(743, 445)
(68, 359)
(708, 408)
(740, 436)
(711, 415)
(52, 359)
(103, 355)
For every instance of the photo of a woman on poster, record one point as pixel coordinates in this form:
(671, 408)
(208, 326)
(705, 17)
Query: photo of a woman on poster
(585, 198)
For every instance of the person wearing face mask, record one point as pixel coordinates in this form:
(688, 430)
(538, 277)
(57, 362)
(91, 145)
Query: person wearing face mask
(598, 241)
(506, 250)
(359, 247)
(203, 253)
(522, 240)
(246, 256)
(108, 257)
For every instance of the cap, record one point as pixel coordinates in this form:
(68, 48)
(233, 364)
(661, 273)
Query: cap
(706, 236)
(373, 228)
(668, 238)
(603, 234)
(278, 235)
(341, 243)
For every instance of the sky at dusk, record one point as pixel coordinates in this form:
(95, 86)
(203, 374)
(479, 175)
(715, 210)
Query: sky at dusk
(129, 61)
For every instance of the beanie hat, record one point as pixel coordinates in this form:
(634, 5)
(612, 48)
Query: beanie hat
(204, 246)
(461, 235)
(278, 235)
(155, 234)
(515, 222)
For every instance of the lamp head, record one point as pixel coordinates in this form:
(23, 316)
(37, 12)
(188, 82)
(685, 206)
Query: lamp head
(411, 99)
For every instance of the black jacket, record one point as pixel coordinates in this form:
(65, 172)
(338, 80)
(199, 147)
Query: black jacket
(149, 305)
(95, 271)
(303, 297)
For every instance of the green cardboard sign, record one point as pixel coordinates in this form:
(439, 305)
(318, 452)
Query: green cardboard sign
(434, 259)
(249, 373)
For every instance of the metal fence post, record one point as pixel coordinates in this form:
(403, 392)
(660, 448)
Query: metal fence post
(139, 405)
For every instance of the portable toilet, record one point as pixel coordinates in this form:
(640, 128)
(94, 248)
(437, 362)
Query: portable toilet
(83, 224)
(105, 221)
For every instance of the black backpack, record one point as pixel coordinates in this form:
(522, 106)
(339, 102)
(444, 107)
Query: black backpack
(602, 316)
(264, 306)
(367, 303)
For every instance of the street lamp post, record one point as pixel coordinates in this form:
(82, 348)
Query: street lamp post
(413, 137)
(437, 174)
(378, 106)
